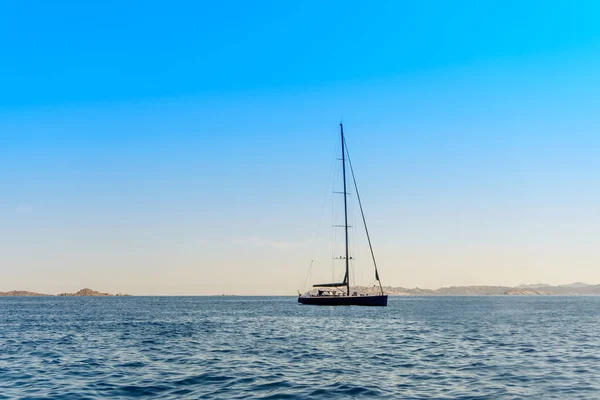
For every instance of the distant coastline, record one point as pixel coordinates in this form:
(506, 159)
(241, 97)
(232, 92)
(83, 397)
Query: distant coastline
(81, 293)
(540, 289)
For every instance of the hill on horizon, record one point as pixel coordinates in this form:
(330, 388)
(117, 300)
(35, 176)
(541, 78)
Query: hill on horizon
(576, 288)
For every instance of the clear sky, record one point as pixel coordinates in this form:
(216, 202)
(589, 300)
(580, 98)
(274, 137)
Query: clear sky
(186, 147)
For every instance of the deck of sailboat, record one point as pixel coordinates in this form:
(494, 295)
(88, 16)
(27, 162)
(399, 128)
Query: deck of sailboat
(366, 300)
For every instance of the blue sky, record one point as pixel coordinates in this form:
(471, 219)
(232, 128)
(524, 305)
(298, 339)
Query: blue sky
(185, 147)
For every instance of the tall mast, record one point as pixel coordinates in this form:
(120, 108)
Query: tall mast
(345, 210)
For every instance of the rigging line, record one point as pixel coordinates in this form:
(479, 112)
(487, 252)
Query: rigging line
(331, 179)
(356, 249)
(331, 176)
(333, 230)
(307, 275)
(333, 217)
(364, 220)
(336, 214)
(354, 252)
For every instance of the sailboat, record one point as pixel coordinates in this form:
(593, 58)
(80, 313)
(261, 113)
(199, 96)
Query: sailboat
(338, 294)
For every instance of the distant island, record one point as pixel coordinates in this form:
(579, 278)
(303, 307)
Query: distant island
(82, 293)
(92, 293)
(540, 289)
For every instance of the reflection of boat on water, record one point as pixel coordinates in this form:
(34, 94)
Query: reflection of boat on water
(335, 295)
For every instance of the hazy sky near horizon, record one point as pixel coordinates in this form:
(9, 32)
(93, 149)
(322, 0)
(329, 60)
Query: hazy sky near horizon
(186, 147)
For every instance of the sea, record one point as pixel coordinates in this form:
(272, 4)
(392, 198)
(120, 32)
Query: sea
(538, 347)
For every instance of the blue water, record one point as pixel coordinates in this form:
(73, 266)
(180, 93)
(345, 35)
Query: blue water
(273, 348)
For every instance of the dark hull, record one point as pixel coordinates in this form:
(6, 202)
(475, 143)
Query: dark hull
(374, 301)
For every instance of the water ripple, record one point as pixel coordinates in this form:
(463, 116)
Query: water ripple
(273, 348)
